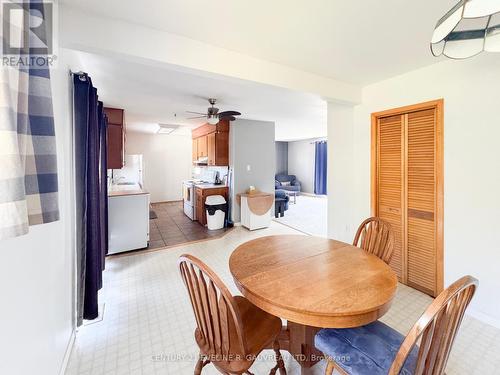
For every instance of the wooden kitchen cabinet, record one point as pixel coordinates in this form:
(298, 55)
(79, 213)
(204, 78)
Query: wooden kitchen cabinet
(116, 137)
(200, 197)
(212, 142)
(195, 150)
(199, 209)
(222, 148)
(202, 147)
(115, 146)
(211, 148)
(222, 126)
(218, 148)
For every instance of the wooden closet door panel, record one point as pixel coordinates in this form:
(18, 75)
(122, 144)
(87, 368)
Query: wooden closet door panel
(390, 148)
(421, 183)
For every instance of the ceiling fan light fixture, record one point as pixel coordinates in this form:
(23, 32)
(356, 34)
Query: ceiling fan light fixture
(481, 8)
(213, 120)
(447, 23)
(213, 116)
(492, 39)
(469, 28)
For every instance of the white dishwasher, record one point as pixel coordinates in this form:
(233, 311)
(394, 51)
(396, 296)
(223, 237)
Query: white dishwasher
(128, 220)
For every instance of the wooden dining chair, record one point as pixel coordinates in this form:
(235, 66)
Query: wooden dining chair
(378, 349)
(230, 331)
(375, 236)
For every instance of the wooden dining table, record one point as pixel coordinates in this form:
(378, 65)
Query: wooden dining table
(313, 283)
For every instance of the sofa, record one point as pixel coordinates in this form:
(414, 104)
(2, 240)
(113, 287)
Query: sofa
(281, 201)
(286, 182)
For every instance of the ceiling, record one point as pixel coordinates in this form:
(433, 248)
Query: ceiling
(352, 41)
(154, 94)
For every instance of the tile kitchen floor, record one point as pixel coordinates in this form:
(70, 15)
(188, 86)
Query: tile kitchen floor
(147, 326)
(173, 227)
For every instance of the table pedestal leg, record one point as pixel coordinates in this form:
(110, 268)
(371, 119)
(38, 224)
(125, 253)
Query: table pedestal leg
(298, 340)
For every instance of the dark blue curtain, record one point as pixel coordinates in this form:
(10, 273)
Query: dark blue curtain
(103, 182)
(91, 194)
(320, 168)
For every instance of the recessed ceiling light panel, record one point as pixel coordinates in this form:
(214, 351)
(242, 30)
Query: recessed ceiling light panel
(166, 128)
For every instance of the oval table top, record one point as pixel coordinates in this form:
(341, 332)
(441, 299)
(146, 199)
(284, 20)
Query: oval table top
(313, 281)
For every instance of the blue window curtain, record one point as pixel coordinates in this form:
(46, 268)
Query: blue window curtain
(91, 194)
(320, 168)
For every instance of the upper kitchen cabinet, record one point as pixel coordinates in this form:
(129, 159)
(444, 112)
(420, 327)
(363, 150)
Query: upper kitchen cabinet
(219, 153)
(211, 148)
(212, 143)
(195, 150)
(202, 147)
(116, 137)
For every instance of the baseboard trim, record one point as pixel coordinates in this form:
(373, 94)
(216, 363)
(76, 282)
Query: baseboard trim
(67, 354)
(484, 318)
(313, 195)
(174, 201)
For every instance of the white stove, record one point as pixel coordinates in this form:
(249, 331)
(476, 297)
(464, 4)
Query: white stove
(189, 196)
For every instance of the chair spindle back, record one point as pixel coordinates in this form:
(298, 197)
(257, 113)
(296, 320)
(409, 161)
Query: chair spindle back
(376, 237)
(436, 330)
(217, 316)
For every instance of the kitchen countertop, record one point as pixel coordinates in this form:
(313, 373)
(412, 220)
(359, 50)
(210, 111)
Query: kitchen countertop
(124, 190)
(209, 186)
(121, 193)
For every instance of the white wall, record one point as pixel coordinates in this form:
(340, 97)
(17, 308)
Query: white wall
(340, 173)
(167, 162)
(471, 165)
(301, 161)
(36, 271)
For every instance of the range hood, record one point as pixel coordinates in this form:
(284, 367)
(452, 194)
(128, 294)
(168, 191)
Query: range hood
(203, 160)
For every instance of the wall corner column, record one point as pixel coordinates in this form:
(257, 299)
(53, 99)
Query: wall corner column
(341, 174)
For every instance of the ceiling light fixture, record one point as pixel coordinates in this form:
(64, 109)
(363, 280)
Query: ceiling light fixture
(166, 129)
(213, 115)
(469, 28)
(213, 119)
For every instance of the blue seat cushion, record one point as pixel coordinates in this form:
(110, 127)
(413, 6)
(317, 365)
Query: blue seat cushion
(367, 350)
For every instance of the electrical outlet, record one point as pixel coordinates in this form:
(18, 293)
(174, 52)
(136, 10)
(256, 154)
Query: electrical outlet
(249, 168)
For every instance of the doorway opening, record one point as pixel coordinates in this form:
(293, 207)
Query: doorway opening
(301, 185)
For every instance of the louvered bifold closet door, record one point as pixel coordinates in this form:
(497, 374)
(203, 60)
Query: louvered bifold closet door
(390, 149)
(421, 190)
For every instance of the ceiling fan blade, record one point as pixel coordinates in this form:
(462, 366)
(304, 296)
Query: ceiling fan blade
(197, 113)
(228, 114)
(192, 118)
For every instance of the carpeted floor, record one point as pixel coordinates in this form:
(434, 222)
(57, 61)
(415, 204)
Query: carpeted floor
(309, 215)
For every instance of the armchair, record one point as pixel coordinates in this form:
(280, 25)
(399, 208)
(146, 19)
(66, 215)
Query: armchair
(286, 182)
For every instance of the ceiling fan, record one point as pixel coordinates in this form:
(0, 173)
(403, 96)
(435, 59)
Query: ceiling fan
(213, 115)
